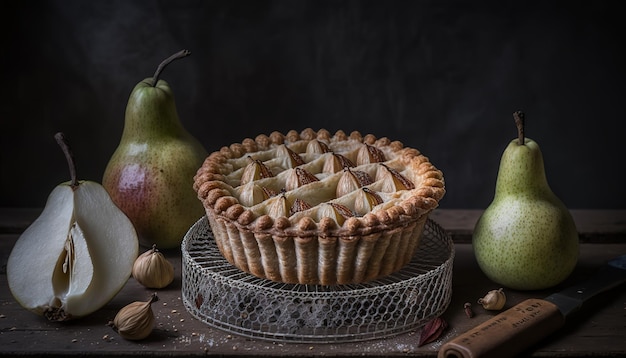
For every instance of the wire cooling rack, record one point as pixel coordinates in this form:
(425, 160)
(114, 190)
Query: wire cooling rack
(224, 297)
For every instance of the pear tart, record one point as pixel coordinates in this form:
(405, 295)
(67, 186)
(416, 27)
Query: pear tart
(318, 208)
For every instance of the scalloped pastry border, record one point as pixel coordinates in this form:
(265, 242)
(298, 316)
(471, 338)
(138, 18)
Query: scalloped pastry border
(211, 189)
(309, 252)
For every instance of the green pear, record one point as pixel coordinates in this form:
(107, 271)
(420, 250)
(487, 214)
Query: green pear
(526, 239)
(77, 255)
(150, 174)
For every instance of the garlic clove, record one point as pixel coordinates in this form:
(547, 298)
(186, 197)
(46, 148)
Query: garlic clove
(432, 330)
(336, 162)
(494, 300)
(255, 170)
(152, 269)
(369, 154)
(366, 200)
(393, 180)
(352, 180)
(135, 321)
(299, 177)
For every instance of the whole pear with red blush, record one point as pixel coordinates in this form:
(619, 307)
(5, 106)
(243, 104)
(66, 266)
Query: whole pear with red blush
(150, 174)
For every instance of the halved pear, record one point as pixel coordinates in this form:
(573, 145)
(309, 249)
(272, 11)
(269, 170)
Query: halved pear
(76, 256)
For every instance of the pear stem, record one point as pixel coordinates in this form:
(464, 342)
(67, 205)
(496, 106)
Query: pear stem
(519, 122)
(69, 156)
(167, 61)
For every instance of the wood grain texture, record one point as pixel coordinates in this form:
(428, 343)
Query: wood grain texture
(596, 331)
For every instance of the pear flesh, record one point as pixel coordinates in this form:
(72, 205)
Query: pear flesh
(526, 239)
(76, 256)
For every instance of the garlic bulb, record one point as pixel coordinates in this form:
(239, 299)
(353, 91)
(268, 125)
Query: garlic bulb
(135, 321)
(494, 300)
(152, 269)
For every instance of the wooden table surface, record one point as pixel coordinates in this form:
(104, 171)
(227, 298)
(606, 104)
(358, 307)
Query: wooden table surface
(598, 330)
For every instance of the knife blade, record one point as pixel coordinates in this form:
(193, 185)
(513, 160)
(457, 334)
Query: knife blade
(523, 325)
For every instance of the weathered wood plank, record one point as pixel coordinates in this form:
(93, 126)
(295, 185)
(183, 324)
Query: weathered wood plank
(594, 226)
(598, 330)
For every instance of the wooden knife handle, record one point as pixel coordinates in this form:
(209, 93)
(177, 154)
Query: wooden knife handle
(508, 333)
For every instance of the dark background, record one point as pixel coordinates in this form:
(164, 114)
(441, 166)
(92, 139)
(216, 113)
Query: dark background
(441, 76)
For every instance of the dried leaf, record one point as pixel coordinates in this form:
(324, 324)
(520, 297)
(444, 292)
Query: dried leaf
(467, 307)
(199, 300)
(432, 330)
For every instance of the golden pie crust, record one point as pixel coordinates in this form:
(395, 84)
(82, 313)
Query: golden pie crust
(318, 208)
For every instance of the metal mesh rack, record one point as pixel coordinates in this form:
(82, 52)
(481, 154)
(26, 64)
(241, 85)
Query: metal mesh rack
(224, 297)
